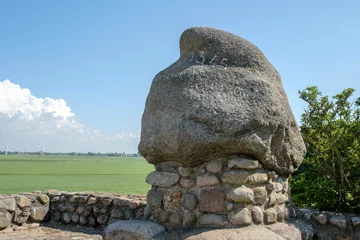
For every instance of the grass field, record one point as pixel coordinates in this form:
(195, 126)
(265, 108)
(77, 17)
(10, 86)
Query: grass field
(102, 174)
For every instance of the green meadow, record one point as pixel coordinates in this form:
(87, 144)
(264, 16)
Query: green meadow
(125, 175)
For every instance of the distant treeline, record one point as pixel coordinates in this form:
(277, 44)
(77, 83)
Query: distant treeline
(123, 154)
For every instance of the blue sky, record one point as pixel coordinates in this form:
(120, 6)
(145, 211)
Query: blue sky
(101, 56)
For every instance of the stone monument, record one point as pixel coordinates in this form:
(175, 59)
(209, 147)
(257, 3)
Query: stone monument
(218, 127)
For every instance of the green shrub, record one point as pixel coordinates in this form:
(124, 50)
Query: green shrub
(329, 178)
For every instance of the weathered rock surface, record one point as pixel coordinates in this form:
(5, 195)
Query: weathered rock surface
(287, 231)
(8, 203)
(5, 219)
(241, 194)
(22, 201)
(221, 98)
(162, 179)
(39, 213)
(131, 230)
(241, 217)
(279, 232)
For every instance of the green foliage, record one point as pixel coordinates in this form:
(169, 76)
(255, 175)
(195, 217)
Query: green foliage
(124, 175)
(329, 178)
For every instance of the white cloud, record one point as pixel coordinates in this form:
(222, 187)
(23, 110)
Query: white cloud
(27, 120)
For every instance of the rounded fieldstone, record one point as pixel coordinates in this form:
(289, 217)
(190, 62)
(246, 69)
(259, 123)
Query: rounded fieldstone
(243, 163)
(83, 220)
(278, 187)
(43, 198)
(61, 207)
(92, 221)
(280, 198)
(321, 218)
(39, 213)
(56, 216)
(70, 208)
(214, 167)
(241, 217)
(272, 200)
(63, 199)
(270, 186)
(355, 221)
(81, 199)
(162, 179)
(80, 209)
(92, 200)
(271, 175)
(241, 194)
(206, 180)
(185, 172)
(281, 180)
(106, 201)
(260, 195)
(147, 211)
(104, 210)
(66, 217)
(235, 177)
(8, 203)
(154, 198)
(55, 199)
(21, 216)
(190, 201)
(307, 216)
(189, 219)
(5, 219)
(88, 211)
(102, 219)
(96, 209)
(339, 221)
(187, 183)
(257, 178)
(270, 215)
(72, 199)
(22, 201)
(117, 213)
(75, 218)
(161, 216)
(175, 220)
(280, 213)
(229, 206)
(257, 214)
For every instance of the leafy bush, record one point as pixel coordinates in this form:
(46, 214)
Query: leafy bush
(329, 178)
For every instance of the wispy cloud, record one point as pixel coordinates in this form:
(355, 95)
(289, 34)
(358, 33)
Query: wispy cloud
(27, 121)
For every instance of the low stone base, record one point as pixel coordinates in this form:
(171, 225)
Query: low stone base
(141, 230)
(221, 193)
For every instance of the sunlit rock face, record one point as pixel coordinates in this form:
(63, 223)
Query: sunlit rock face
(221, 99)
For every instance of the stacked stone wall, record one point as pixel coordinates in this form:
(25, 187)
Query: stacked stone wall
(83, 208)
(330, 225)
(221, 193)
(186, 205)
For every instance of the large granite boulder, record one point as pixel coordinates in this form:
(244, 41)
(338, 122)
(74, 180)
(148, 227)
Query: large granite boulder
(221, 98)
